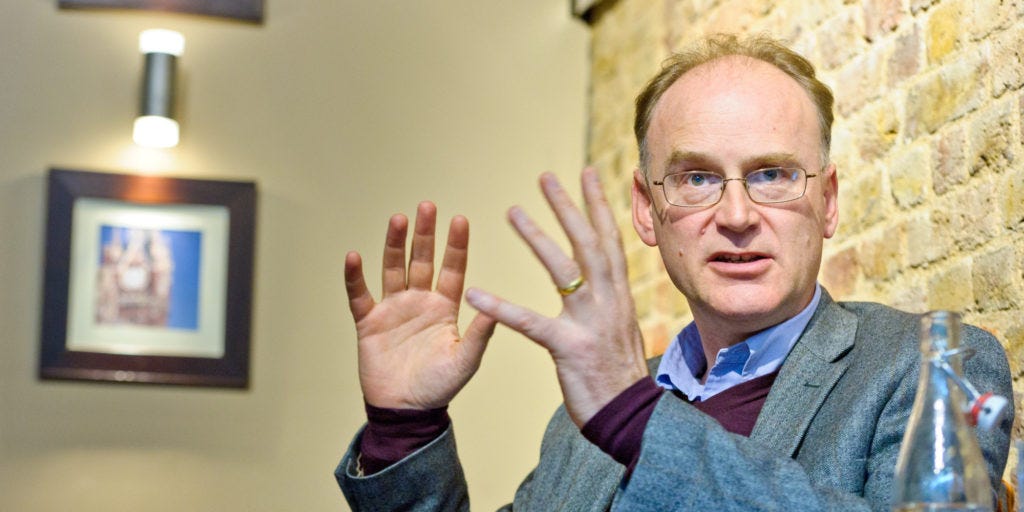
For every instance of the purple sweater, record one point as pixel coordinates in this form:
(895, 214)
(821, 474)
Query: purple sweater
(617, 429)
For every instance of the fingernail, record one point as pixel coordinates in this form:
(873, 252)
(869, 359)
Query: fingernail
(516, 215)
(549, 180)
(476, 298)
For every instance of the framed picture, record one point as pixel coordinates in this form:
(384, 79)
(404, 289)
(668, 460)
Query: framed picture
(148, 279)
(245, 10)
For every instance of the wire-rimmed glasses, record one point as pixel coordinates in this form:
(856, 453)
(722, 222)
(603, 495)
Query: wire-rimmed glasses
(764, 186)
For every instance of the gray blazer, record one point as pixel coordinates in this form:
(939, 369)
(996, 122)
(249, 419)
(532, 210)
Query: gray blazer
(827, 437)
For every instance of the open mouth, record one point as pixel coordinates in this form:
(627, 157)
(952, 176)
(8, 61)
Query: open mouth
(737, 258)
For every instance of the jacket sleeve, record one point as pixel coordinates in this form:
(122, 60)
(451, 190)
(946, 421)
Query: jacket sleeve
(430, 479)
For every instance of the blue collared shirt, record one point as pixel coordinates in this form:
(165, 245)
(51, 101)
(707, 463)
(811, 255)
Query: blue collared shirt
(758, 355)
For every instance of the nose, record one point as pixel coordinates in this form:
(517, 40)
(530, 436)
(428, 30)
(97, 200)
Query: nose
(736, 211)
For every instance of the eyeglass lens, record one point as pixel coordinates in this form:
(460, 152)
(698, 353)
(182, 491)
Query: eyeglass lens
(701, 188)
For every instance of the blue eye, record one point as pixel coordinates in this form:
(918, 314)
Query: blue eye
(769, 174)
(697, 179)
(772, 175)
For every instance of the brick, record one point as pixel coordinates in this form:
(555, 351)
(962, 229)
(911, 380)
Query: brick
(882, 17)
(876, 128)
(942, 30)
(997, 280)
(950, 156)
(671, 300)
(881, 255)
(839, 273)
(987, 16)
(1008, 73)
(793, 20)
(905, 60)
(643, 299)
(924, 246)
(967, 216)
(910, 295)
(841, 153)
(991, 132)
(952, 288)
(640, 262)
(1012, 199)
(737, 15)
(910, 176)
(684, 18)
(863, 200)
(839, 40)
(946, 95)
(1013, 340)
(858, 81)
(1008, 328)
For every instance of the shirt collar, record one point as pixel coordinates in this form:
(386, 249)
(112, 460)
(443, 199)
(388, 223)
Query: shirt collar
(683, 363)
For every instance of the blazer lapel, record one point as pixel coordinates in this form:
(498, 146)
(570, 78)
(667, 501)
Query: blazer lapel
(806, 378)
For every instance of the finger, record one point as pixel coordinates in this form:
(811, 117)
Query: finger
(393, 269)
(477, 335)
(360, 302)
(538, 328)
(453, 267)
(603, 221)
(421, 264)
(562, 268)
(582, 237)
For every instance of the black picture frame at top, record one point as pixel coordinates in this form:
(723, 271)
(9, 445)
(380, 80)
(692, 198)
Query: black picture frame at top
(148, 279)
(243, 10)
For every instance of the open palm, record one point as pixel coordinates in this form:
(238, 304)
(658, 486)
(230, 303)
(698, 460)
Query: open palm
(411, 355)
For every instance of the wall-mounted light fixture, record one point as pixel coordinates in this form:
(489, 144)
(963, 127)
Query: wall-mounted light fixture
(155, 127)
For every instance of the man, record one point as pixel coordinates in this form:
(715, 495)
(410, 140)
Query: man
(774, 398)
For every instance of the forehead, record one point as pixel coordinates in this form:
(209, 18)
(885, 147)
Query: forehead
(734, 108)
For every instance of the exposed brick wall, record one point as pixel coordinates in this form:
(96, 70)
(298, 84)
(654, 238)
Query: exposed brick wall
(927, 139)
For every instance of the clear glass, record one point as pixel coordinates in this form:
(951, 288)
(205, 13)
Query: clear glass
(940, 466)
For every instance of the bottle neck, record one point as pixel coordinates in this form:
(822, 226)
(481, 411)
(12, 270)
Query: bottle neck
(940, 336)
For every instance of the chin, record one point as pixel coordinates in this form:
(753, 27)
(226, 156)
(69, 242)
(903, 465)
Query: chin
(754, 307)
(758, 307)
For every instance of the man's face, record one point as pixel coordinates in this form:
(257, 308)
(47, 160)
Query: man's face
(742, 266)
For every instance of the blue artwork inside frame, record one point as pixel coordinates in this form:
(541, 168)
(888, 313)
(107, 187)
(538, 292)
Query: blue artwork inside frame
(148, 277)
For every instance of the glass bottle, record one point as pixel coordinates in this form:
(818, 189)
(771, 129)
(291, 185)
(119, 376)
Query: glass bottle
(940, 467)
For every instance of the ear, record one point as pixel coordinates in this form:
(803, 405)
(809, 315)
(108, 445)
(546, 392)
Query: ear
(643, 215)
(831, 193)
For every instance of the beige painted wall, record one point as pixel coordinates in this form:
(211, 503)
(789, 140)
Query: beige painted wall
(343, 112)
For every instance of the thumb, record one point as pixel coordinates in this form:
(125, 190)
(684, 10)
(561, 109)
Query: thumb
(479, 332)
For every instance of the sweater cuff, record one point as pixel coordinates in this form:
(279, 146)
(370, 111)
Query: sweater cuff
(393, 434)
(618, 428)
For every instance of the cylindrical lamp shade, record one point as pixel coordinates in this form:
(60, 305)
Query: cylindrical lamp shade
(155, 126)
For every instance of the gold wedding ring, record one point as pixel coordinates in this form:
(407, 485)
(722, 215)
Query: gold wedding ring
(571, 287)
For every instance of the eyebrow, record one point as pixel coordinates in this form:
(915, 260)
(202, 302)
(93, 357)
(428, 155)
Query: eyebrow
(781, 159)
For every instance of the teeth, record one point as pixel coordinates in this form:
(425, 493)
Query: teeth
(738, 259)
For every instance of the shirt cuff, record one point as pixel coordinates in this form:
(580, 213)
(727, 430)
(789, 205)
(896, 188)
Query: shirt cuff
(618, 428)
(393, 434)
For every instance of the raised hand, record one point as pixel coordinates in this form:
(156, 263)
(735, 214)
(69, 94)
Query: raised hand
(411, 355)
(595, 341)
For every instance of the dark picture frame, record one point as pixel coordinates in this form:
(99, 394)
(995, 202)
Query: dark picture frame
(148, 279)
(244, 10)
